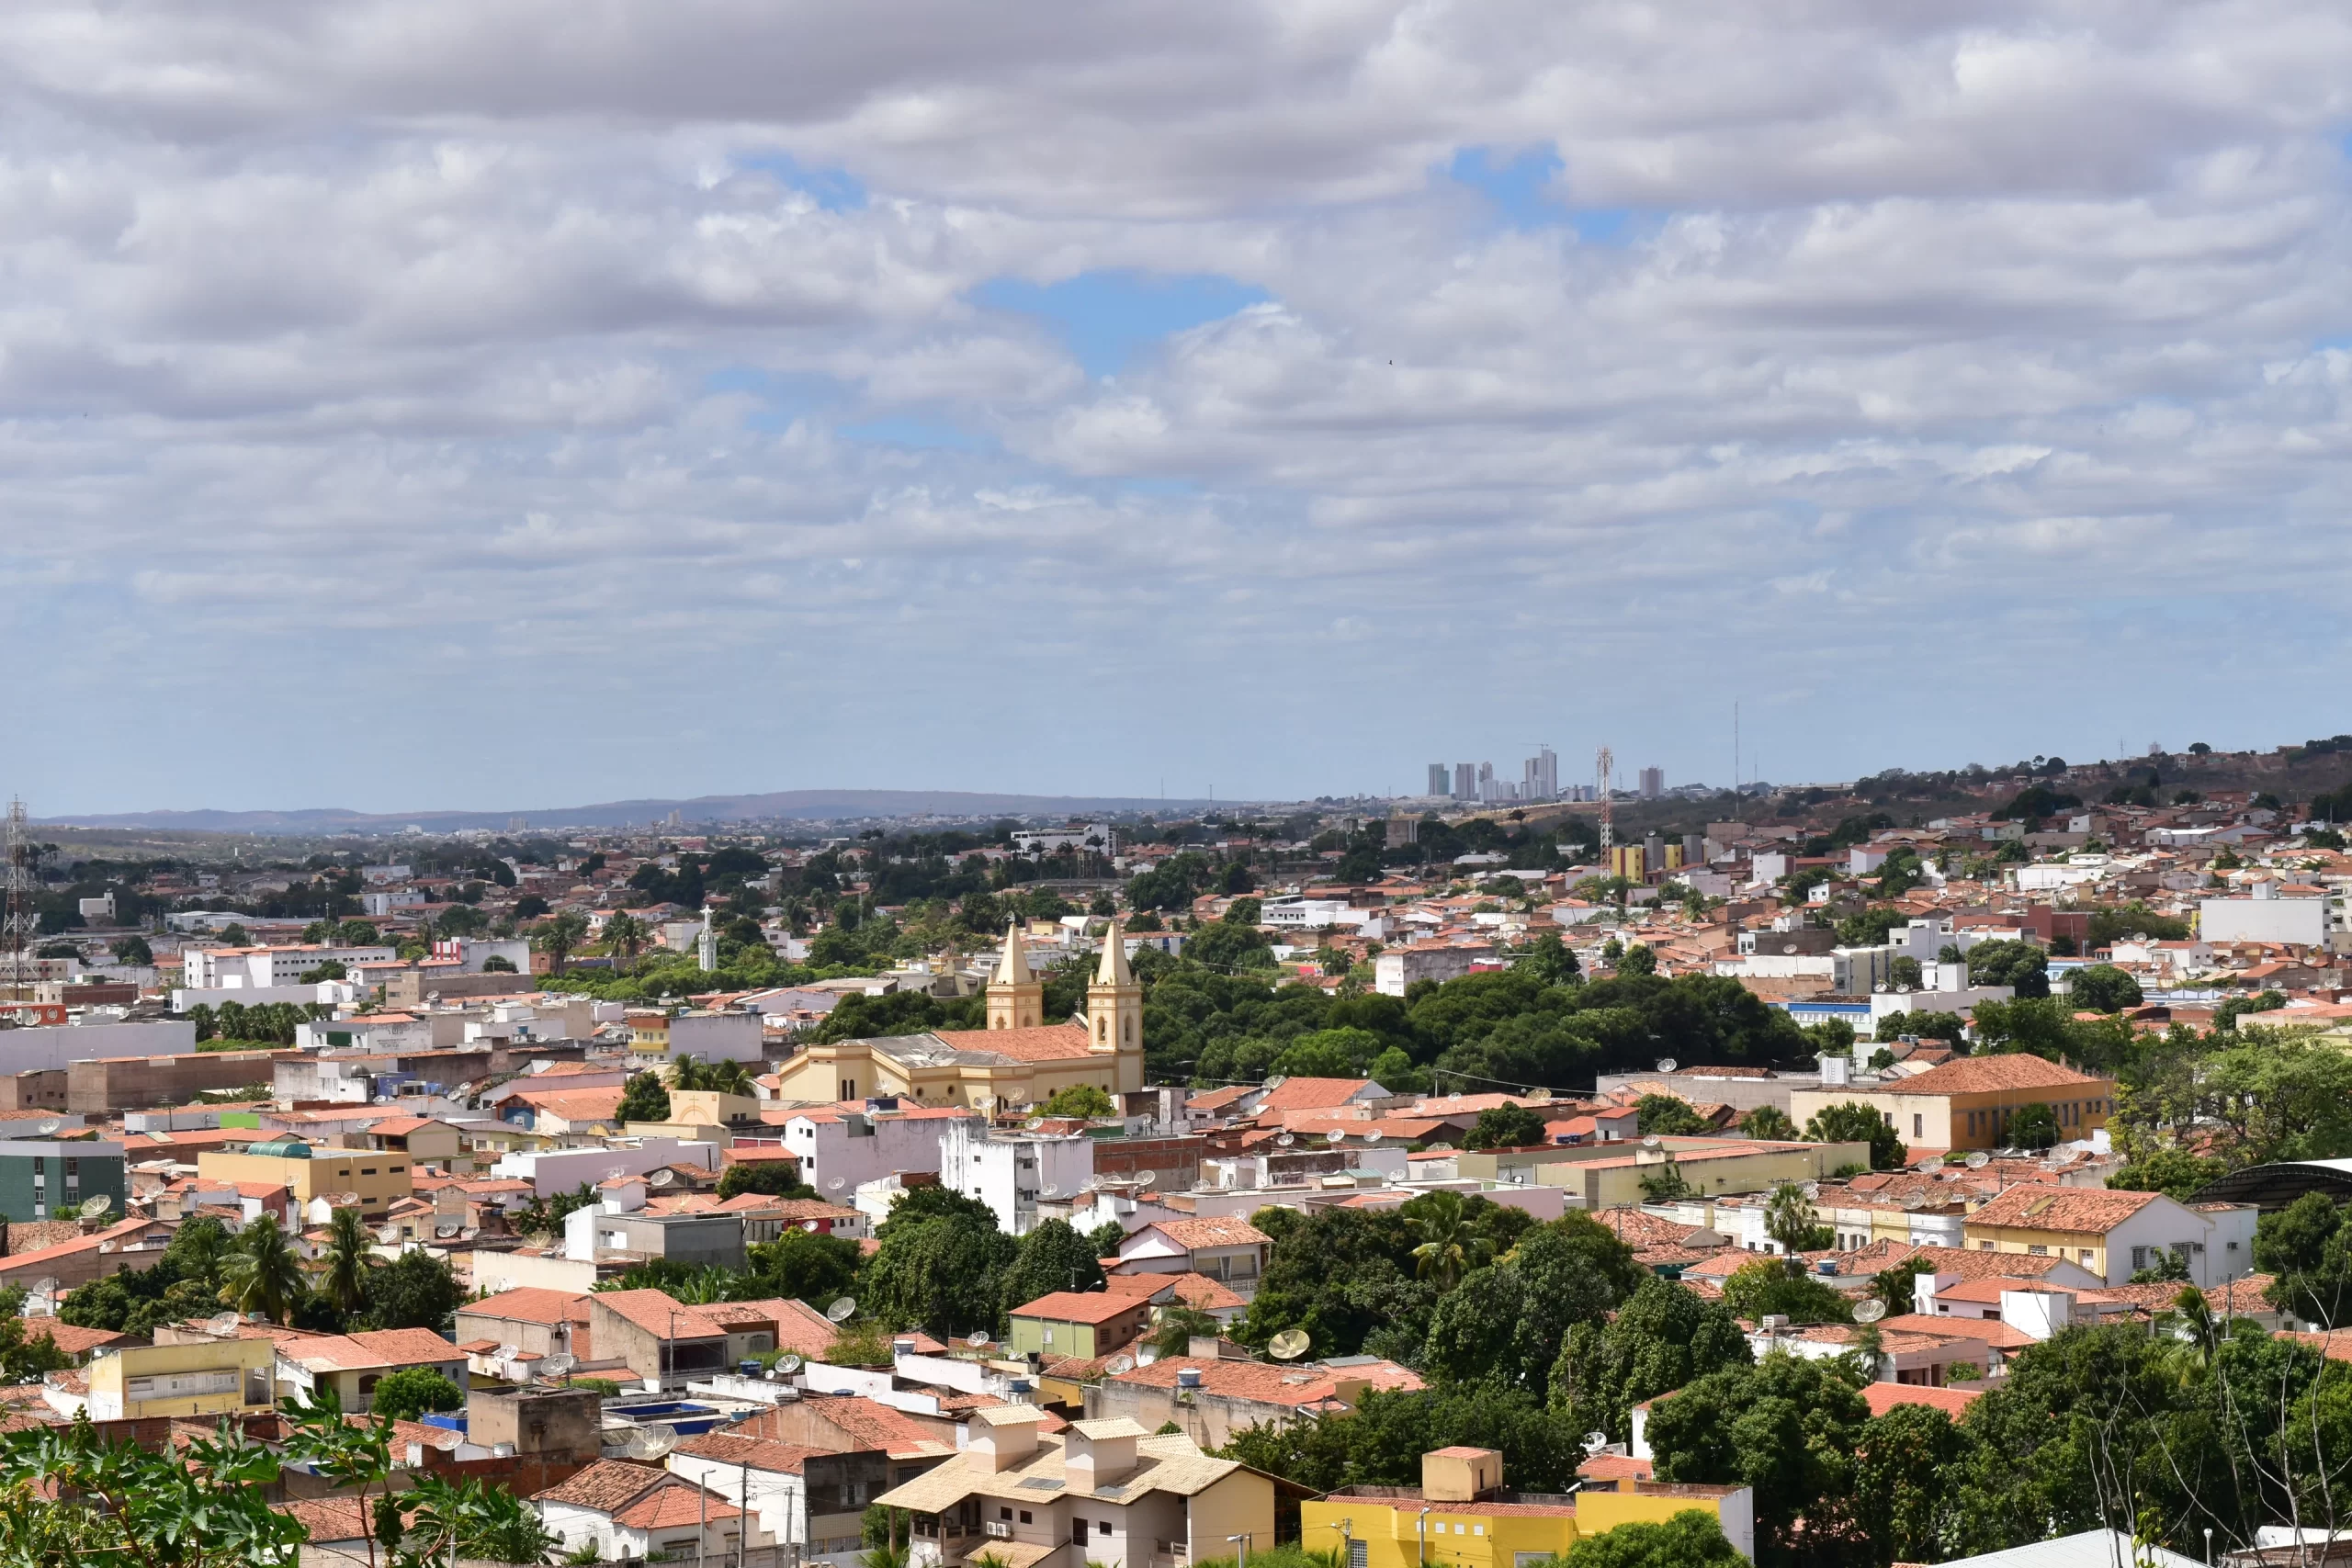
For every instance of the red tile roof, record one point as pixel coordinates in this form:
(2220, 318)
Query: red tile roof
(1883, 1397)
(1989, 1074)
(1311, 1094)
(2086, 1211)
(1045, 1043)
(1096, 1307)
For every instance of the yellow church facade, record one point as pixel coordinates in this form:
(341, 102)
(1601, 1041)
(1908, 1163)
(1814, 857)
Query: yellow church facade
(1018, 1059)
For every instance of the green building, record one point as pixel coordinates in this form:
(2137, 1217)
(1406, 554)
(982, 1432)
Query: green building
(41, 1180)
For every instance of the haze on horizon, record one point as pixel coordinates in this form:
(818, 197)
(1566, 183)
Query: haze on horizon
(423, 403)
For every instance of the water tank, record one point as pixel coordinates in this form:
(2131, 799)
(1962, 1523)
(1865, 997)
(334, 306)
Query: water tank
(1188, 1377)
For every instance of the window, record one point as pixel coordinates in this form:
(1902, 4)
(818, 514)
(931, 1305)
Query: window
(1024, 1516)
(1477, 1530)
(1984, 1246)
(2037, 1250)
(1357, 1551)
(368, 1170)
(1006, 1514)
(1919, 1124)
(1103, 1527)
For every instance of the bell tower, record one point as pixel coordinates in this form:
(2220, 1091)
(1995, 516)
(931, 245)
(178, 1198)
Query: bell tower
(1114, 1004)
(1016, 997)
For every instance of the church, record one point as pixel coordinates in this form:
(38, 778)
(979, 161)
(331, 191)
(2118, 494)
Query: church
(1019, 1059)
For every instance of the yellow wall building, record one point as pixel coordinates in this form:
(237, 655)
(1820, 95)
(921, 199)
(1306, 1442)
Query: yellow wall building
(380, 1176)
(1462, 1515)
(1970, 1102)
(220, 1377)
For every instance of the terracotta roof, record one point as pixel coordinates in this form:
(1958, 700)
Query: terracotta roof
(623, 1491)
(530, 1303)
(1883, 1397)
(1968, 1263)
(1312, 1094)
(678, 1503)
(757, 1453)
(1987, 1075)
(72, 1340)
(658, 1313)
(1095, 1307)
(328, 1519)
(1992, 1331)
(1226, 1231)
(1046, 1043)
(374, 1348)
(1200, 1290)
(2086, 1211)
(1267, 1384)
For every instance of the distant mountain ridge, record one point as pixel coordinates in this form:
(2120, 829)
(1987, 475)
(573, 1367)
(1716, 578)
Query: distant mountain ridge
(797, 804)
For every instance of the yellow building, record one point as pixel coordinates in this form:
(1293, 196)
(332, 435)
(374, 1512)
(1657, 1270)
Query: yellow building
(1610, 1176)
(1461, 1514)
(220, 1377)
(648, 1029)
(1630, 862)
(380, 1176)
(1970, 1102)
(1016, 1060)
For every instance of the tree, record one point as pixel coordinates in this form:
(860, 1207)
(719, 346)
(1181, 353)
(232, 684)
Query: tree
(1548, 959)
(1669, 1116)
(405, 1394)
(2175, 1172)
(332, 969)
(1179, 1326)
(498, 963)
(561, 937)
(1052, 1258)
(942, 1274)
(1692, 1539)
(1662, 1338)
(1790, 1428)
(28, 1350)
(1851, 1123)
(1897, 1287)
(1769, 1122)
(2104, 988)
(769, 1178)
(1505, 1127)
(262, 1273)
(348, 1257)
(66, 1495)
(1910, 1483)
(2019, 965)
(2034, 1126)
(2308, 1249)
(1904, 974)
(1505, 1323)
(1769, 1285)
(644, 1100)
(415, 1290)
(626, 935)
(807, 1266)
(1083, 1099)
(132, 951)
(1789, 1220)
(1637, 960)
(1450, 1246)
(1104, 1239)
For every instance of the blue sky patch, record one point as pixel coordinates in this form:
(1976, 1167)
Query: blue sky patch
(835, 190)
(1519, 188)
(1105, 316)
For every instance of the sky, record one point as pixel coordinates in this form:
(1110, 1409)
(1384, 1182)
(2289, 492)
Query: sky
(435, 404)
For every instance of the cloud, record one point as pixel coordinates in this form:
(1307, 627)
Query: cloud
(1308, 387)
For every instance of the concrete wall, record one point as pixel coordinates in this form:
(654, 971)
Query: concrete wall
(55, 1045)
(138, 1083)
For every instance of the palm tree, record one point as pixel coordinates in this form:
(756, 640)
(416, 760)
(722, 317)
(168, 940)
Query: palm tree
(1788, 1219)
(350, 1254)
(690, 1072)
(560, 936)
(261, 1273)
(1450, 1247)
(624, 934)
(728, 1077)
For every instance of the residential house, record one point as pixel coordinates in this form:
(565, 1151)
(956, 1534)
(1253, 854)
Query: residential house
(1970, 1102)
(1229, 1250)
(2114, 1234)
(1081, 1324)
(1104, 1489)
(374, 1179)
(134, 1382)
(1210, 1399)
(537, 1322)
(353, 1364)
(633, 1511)
(811, 1500)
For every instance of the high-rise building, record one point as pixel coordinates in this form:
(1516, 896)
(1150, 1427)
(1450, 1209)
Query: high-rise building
(1465, 781)
(1440, 779)
(1542, 780)
(1653, 782)
(1486, 791)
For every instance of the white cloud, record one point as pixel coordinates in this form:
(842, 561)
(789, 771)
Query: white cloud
(446, 362)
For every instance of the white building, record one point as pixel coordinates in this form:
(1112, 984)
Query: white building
(1009, 1172)
(1399, 967)
(842, 1147)
(632, 1512)
(2266, 917)
(230, 969)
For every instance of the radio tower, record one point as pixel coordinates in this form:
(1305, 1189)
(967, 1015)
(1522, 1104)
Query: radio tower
(1608, 820)
(19, 916)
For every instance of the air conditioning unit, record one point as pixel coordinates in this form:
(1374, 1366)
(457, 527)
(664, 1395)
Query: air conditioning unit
(999, 1530)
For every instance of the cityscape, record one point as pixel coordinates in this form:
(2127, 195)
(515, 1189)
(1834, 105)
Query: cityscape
(1458, 784)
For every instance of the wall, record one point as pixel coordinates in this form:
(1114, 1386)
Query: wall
(55, 1045)
(560, 1171)
(2298, 922)
(97, 1170)
(1241, 1503)
(137, 1083)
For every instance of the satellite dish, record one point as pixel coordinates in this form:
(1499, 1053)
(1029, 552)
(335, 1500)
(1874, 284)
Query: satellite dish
(1914, 1200)
(1979, 1160)
(1441, 1148)
(389, 1236)
(1811, 1189)
(978, 1337)
(660, 1177)
(836, 1184)
(1146, 1178)
(1667, 1063)
(96, 1208)
(1372, 1136)
(555, 1366)
(1283, 1139)
(788, 1364)
(617, 1174)
(1335, 1137)
(1652, 1142)
(808, 1225)
(1595, 1441)
(52, 1126)
(1121, 1365)
(222, 1323)
(1932, 1164)
(842, 1311)
(1288, 1346)
(506, 1352)
(653, 1442)
(1870, 1312)
(1050, 1191)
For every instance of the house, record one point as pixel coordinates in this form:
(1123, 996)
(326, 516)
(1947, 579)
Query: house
(1461, 1513)
(377, 1179)
(2113, 1235)
(842, 1146)
(1104, 1488)
(134, 1382)
(1970, 1102)
(663, 1340)
(537, 1322)
(1229, 1250)
(810, 1499)
(1081, 1324)
(635, 1511)
(1019, 1059)
(353, 1364)
(436, 1141)
(76, 1345)
(1210, 1399)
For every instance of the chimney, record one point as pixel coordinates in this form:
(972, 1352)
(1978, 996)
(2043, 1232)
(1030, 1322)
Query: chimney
(1005, 1435)
(1460, 1475)
(1099, 1453)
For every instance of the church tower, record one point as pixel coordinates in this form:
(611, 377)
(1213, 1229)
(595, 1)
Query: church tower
(1016, 997)
(1114, 1001)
